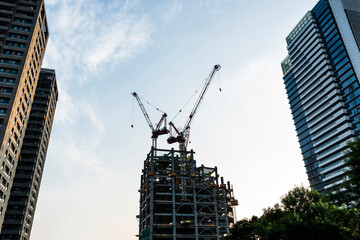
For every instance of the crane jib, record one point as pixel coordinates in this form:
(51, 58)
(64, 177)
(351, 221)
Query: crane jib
(183, 136)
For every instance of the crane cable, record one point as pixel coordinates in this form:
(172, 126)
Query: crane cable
(192, 96)
(187, 102)
(132, 113)
(219, 78)
(151, 104)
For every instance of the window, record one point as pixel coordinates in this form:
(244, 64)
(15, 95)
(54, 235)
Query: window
(341, 63)
(331, 35)
(325, 20)
(343, 70)
(328, 24)
(4, 100)
(7, 90)
(13, 71)
(335, 46)
(336, 38)
(10, 81)
(14, 62)
(2, 111)
(339, 57)
(337, 51)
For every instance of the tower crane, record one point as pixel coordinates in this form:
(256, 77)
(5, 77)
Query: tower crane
(182, 136)
(156, 131)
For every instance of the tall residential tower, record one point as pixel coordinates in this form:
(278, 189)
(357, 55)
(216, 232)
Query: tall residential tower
(23, 39)
(20, 212)
(321, 76)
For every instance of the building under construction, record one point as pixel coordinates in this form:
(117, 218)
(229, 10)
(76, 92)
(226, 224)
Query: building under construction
(179, 200)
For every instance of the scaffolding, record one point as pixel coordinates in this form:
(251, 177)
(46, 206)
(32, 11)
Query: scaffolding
(181, 201)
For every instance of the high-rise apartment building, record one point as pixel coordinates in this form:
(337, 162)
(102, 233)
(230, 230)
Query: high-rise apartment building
(24, 193)
(321, 76)
(23, 39)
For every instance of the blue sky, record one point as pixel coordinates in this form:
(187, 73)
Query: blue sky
(104, 50)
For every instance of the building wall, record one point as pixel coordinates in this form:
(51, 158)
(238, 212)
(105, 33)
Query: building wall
(23, 39)
(24, 193)
(321, 80)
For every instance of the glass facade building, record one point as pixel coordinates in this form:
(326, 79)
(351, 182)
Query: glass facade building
(321, 77)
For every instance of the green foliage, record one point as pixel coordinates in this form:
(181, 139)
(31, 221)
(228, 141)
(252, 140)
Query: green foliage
(348, 192)
(301, 214)
(244, 229)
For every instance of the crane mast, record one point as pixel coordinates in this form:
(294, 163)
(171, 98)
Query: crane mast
(183, 136)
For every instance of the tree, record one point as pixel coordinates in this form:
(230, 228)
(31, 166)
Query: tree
(348, 192)
(301, 214)
(244, 229)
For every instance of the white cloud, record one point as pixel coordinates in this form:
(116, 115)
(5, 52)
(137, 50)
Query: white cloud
(87, 39)
(174, 9)
(121, 40)
(87, 36)
(213, 5)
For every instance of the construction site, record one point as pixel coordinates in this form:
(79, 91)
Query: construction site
(179, 199)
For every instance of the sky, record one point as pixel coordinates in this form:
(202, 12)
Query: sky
(102, 50)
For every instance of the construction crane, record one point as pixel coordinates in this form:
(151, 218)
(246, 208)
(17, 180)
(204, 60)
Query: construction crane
(182, 136)
(156, 131)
